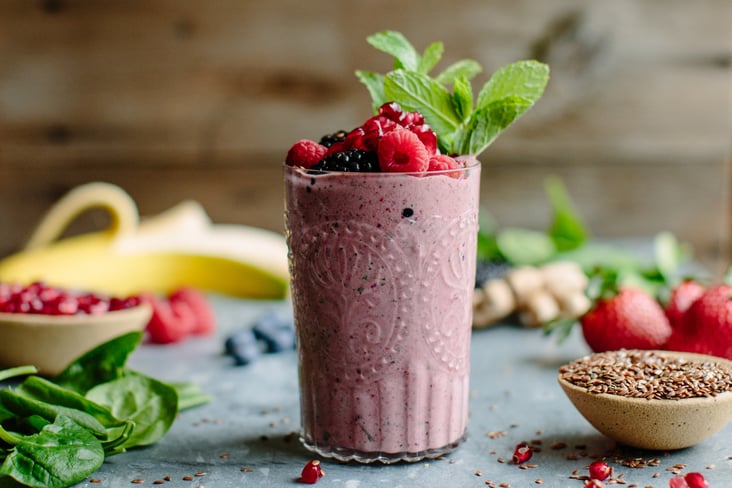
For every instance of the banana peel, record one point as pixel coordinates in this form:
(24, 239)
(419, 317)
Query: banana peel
(179, 247)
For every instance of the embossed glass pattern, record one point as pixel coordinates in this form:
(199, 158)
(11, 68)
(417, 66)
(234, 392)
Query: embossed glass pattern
(383, 267)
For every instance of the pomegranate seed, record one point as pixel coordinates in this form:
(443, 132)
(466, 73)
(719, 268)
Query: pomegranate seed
(696, 480)
(522, 453)
(600, 470)
(594, 484)
(677, 482)
(312, 472)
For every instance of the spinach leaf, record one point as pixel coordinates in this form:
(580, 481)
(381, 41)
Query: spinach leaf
(103, 363)
(151, 404)
(22, 406)
(189, 395)
(61, 455)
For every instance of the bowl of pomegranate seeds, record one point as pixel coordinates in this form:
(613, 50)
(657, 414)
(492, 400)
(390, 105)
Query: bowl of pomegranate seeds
(48, 327)
(659, 400)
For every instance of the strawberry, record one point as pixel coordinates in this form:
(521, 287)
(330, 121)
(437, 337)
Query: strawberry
(401, 151)
(305, 153)
(707, 324)
(682, 296)
(630, 319)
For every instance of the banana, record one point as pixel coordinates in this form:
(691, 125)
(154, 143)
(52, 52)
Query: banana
(178, 247)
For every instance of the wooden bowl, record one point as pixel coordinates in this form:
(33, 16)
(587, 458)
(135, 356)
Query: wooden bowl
(50, 343)
(655, 424)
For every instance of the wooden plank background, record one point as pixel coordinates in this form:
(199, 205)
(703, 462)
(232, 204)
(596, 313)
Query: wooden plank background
(179, 99)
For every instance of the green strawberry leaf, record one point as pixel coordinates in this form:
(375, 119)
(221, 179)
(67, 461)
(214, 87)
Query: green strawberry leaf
(415, 91)
(486, 123)
(466, 68)
(462, 95)
(374, 83)
(431, 56)
(523, 79)
(395, 44)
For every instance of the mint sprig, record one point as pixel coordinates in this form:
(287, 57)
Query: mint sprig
(464, 124)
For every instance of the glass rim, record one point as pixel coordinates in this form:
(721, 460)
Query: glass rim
(475, 163)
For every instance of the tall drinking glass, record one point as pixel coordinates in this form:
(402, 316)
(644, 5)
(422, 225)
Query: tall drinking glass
(383, 270)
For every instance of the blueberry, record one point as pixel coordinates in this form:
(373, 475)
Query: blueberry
(276, 331)
(243, 346)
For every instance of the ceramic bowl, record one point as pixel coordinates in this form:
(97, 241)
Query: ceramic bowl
(50, 343)
(655, 424)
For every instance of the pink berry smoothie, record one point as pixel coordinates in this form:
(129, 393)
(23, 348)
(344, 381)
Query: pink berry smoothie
(383, 269)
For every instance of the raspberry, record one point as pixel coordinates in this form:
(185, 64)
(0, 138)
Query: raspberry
(305, 153)
(354, 160)
(441, 162)
(170, 321)
(427, 136)
(205, 320)
(402, 151)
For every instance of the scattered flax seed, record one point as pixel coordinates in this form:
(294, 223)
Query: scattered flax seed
(505, 485)
(501, 460)
(558, 445)
(168, 478)
(199, 474)
(158, 482)
(246, 469)
(224, 456)
(478, 473)
(648, 374)
(656, 475)
(539, 481)
(95, 480)
(137, 481)
(188, 478)
(496, 434)
(710, 466)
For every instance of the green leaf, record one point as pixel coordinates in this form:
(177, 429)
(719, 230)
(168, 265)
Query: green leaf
(61, 455)
(523, 79)
(190, 395)
(462, 94)
(395, 44)
(525, 247)
(415, 91)
(486, 123)
(99, 365)
(465, 68)
(374, 83)
(669, 254)
(151, 404)
(6, 374)
(566, 230)
(431, 56)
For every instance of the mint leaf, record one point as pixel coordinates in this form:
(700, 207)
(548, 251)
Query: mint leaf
(462, 94)
(567, 230)
(431, 56)
(415, 91)
(486, 123)
(525, 79)
(395, 44)
(374, 83)
(525, 247)
(466, 68)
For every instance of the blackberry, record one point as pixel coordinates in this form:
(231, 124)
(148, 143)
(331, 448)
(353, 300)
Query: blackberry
(330, 139)
(354, 160)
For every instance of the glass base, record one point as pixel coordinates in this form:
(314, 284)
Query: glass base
(348, 455)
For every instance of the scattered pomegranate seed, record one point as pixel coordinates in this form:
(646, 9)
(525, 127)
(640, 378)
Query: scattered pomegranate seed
(677, 482)
(312, 472)
(696, 480)
(522, 453)
(600, 470)
(594, 484)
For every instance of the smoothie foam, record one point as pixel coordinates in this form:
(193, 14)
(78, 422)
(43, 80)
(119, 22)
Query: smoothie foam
(383, 267)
